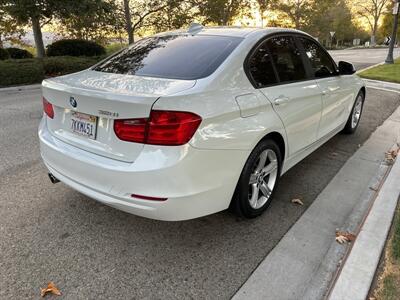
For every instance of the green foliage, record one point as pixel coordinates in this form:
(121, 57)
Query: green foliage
(222, 12)
(23, 71)
(75, 48)
(4, 54)
(114, 47)
(29, 71)
(9, 28)
(297, 11)
(324, 18)
(16, 53)
(387, 24)
(103, 20)
(55, 66)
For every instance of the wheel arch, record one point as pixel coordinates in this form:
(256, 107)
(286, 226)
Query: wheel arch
(277, 138)
(364, 90)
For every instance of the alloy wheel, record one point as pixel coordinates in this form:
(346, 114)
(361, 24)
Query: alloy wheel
(263, 179)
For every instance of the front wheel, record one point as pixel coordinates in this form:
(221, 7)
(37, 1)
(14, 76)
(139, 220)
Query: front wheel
(355, 115)
(258, 180)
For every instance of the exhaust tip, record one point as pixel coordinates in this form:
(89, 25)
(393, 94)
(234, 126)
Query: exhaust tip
(53, 179)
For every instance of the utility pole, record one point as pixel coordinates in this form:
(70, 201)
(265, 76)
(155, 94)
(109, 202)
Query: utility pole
(396, 9)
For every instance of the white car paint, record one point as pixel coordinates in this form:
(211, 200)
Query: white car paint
(198, 178)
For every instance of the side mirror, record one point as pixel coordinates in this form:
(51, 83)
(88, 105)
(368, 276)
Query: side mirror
(346, 68)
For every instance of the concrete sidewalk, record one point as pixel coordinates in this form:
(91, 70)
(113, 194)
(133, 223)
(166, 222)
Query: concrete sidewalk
(306, 260)
(357, 274)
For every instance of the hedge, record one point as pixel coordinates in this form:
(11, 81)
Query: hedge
(29, 71)
(17, 53)
(56, 66)
(21, 71)
(4, 54)
(75, 48)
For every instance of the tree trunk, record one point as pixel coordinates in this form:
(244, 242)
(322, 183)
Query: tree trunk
(128, 21)
(37, 34)
(374, 30)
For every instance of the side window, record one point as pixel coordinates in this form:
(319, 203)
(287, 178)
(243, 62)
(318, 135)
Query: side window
(287, 59)
(260, 67)
(321, 63)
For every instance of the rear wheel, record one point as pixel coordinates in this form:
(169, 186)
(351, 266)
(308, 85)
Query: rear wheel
(355, 115)
(258, 180)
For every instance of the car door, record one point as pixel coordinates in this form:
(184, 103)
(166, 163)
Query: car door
(295, 97)
(335, 95)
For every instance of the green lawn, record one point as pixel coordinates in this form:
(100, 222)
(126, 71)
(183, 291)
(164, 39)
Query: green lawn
(388, 287)
(384, 72)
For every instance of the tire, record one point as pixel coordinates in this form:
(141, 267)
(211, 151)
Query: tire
(251, 199)
(354, 119)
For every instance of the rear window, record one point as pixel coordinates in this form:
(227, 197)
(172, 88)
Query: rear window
(172, 56)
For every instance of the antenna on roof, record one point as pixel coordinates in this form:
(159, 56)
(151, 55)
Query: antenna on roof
(195, 28)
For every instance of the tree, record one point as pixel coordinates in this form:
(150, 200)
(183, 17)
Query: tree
(102, 20)
(220, 12)
(137, 12)
(9, 29)
(264, 6)
(371, 11)
(324, 18)
(387, 23)
(296, 10)
(176, 14)
(33, 12)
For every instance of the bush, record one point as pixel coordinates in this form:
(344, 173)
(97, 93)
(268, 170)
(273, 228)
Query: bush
(17, 53)
(4, 54)
(114, 47)
(29, 71)
(55, 66)
(23, 71)
(75, 48)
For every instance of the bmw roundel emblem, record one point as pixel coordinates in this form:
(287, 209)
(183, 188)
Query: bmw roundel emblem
(73, 102)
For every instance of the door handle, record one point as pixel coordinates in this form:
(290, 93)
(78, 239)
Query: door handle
(281, 100)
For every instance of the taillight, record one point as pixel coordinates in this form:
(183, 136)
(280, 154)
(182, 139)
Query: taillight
(48, 108)
(131, 130)
(169, 128)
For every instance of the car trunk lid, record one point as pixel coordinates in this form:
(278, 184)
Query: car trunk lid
(96, 99)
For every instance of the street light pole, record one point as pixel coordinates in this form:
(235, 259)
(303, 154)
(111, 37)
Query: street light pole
(390, 59)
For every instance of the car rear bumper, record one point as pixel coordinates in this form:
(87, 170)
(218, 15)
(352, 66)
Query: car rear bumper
(195, 182)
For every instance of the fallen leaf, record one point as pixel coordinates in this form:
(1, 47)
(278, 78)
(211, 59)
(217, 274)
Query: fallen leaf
(51, 288)
(341, 239)
(297, 201)
(344, 237)
(391, 155)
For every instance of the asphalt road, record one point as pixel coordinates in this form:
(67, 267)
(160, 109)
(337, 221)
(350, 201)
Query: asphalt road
(363, 58)
(91, 251)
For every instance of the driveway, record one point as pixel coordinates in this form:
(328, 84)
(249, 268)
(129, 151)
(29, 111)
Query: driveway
(91, 251)
(363, 58)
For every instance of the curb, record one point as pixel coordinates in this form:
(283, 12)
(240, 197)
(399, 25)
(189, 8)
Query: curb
(305, 262)
(21, 87)
(358, 271)
(370, 67)
(382, 85)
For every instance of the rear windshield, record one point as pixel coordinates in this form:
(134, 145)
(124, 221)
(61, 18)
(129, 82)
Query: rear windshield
(172, 56)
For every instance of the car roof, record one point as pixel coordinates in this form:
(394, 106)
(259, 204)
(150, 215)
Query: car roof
(242, 31)
(233, 31)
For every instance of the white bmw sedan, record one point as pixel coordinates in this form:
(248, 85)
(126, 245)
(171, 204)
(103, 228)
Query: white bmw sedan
(185, 124)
